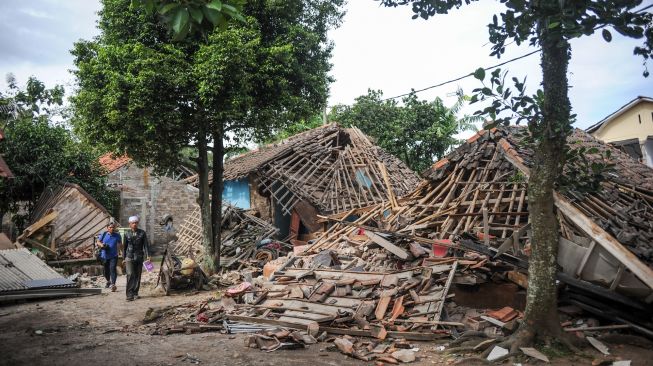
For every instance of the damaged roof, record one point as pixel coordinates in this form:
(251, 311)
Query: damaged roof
(333, 168)
(622, 206)
(481, 189)
(79, 216)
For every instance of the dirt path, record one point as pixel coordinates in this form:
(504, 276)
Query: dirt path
(81, 331)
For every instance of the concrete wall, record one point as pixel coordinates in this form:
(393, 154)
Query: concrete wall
(635, 123)
(151, 198)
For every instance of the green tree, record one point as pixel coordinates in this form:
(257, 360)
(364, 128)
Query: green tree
(146, 92)
(417, 131)
(185, 17)
(41, 153)
(293, 129)
(550, 25)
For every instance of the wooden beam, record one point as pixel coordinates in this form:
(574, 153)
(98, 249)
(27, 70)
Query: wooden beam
(594, 231)
(387, 245)
(40, 246)
(37, 225)
(609, 243)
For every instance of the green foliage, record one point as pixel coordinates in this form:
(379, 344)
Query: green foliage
(417, 131)
(585, 169)
(185, 17)
(293, 129)
(41, 153)
(143, 93)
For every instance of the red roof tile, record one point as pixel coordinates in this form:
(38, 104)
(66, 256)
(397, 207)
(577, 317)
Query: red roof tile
(111, 163)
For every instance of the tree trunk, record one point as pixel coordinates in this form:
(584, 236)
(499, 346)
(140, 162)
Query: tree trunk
(216, 199)
(549, 151)
(204, 201)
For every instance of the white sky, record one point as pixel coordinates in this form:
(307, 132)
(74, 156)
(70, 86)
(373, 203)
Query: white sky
(378, 48)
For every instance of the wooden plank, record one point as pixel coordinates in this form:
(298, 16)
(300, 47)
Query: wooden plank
(291, 323)
(308, 316)
(39, 246)
(410, 336)
(583, 261)
(37, 225)
(594, 231)
(387, 245)
(304, 305)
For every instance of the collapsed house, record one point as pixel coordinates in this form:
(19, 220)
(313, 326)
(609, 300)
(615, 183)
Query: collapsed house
(407, 268)
(606, 236)
(326, 170)
(63, 224)
(242, 235)
(159, 200)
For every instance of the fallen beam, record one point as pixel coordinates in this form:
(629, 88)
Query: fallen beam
(594, 231)
(387, 245)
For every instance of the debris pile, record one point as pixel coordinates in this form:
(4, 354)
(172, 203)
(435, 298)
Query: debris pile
(403, 270)
(246, 239)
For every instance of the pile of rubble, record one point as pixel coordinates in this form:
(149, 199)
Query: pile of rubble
(246, 239)
(418, 268)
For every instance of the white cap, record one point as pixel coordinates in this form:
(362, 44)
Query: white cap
(133, 219)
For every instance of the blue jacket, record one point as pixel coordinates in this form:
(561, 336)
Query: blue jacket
(112, 241)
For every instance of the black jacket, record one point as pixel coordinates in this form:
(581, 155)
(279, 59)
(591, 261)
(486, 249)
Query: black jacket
(136, 247)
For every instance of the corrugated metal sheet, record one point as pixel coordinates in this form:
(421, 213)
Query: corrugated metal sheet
(22, 270)
(79, 216)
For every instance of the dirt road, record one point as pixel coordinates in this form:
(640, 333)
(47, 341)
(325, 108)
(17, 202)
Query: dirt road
(82, 331)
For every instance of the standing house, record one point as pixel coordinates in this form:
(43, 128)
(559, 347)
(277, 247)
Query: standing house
(154, 198)
(630, 128)
(326, 170)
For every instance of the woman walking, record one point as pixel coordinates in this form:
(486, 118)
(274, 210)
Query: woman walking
(109, 243)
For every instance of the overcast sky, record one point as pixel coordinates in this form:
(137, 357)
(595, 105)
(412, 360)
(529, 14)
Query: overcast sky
(378, 48)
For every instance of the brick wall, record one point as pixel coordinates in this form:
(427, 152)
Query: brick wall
(151, 198)
(257, 201)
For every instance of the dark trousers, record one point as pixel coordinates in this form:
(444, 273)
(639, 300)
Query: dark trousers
(134, 269)
(110, 270)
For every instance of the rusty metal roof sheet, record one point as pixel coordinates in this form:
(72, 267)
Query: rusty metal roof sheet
(22, 270)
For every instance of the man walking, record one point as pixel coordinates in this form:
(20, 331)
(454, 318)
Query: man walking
(136, 250)
(109, 241)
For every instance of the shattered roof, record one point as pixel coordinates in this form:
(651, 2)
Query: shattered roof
(250, 161)
(79, 215)
(333, 168)
(110, 162)
(623, 206)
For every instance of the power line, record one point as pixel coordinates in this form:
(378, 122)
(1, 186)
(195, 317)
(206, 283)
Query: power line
(464, 76)
(492, 67)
